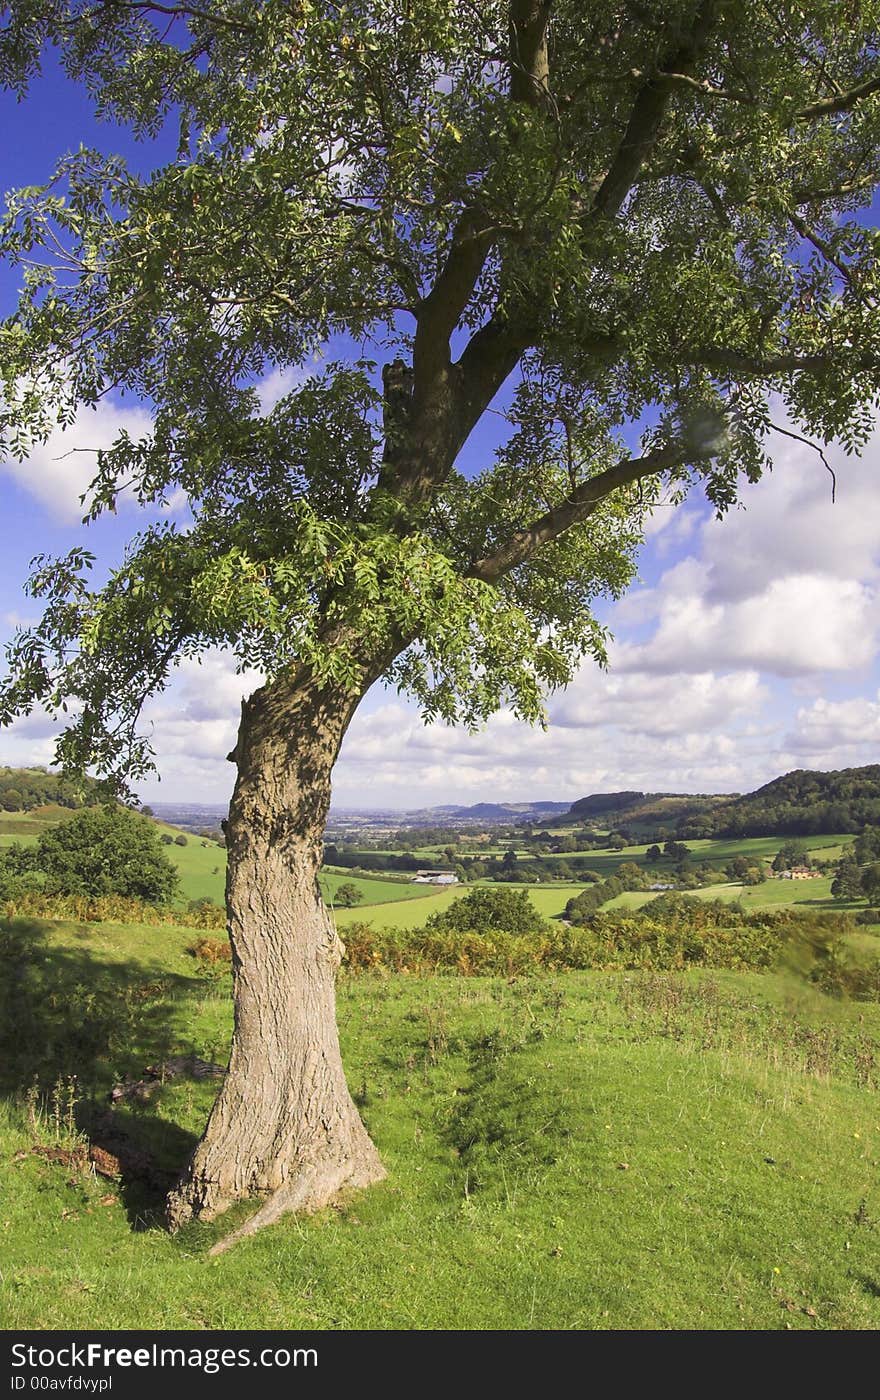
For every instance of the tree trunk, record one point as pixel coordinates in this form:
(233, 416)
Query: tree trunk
(284, 1126)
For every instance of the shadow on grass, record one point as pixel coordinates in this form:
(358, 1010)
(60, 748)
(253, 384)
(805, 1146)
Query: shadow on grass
(71, 1026)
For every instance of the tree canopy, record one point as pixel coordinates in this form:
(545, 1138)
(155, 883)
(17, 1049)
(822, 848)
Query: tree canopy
(639, 214)
(487, 911)
(100, 851)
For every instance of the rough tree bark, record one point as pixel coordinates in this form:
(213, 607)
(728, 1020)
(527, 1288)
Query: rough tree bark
(284, 1126)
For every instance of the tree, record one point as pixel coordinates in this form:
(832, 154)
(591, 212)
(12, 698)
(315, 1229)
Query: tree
(614, 215)
(347, 896)
(737, 868)
(793, 853)
(871, 882)
(106, 851)
(676, 850)
(487, 911)
(847, 883)
(866, 847)
(652, 854)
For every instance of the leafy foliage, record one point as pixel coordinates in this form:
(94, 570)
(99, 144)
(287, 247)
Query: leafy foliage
(22, 789)
(671, 934)
(802, 803)
(348, 895)
(100, 851)
(488, 911)
(649, 221)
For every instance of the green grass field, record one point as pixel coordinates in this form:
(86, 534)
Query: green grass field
(769, 895)
(396, 902)
(583, 1151)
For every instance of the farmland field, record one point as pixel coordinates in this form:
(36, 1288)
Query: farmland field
(399, 902)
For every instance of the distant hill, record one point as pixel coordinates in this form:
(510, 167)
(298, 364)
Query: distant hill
(801, 803)
(640, 811)
(598, 803)
(499, 811)
(24, 789)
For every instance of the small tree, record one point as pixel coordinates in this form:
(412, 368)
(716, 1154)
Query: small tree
(489, 911)
(676, 850)
(847, 883)
(106, 851)
(347, 896)
(791, 854)
(617, 215)
(871, 882)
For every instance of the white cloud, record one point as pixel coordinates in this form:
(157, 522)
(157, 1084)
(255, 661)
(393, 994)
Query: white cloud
(787, 585)
(59, 470)
(657, 705)
(280, 382)
(838, 727)
(790, 527)
(795, 625)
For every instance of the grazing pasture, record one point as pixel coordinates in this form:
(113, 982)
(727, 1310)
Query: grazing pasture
(584, 1150)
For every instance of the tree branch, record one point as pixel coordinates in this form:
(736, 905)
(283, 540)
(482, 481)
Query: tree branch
(578, 506)
(182, 11)
(700, 85)
(829, 106)
(647, 115)
(718, 357)
(849, 274)
(439, 312)
(529, 59)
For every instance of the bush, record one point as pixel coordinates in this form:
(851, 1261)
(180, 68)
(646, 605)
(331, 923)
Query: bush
(211, 950)
(347, 896)
(101, 851)
(484, 911)
(87, 909)
(180, 841)
(166, 839)
(616, 942)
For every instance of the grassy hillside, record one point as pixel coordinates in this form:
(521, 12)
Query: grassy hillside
(582, 1151)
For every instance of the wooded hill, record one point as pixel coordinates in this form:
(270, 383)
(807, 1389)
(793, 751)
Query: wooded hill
(23, 789)
(801, 803)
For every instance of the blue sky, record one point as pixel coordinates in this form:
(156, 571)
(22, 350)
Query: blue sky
(748, 647)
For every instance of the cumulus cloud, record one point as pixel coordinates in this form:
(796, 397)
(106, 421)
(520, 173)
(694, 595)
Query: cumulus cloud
(717, 680)
(787, 585)
(794, 625)
(58, 471)
(279, 382)
(838, 728)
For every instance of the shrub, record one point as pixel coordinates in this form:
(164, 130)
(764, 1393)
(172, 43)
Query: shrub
(211, 950)
(180, 840)
(620, 942)
(488, 911)
(88, 909)
(347, 896)
(103, 851)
